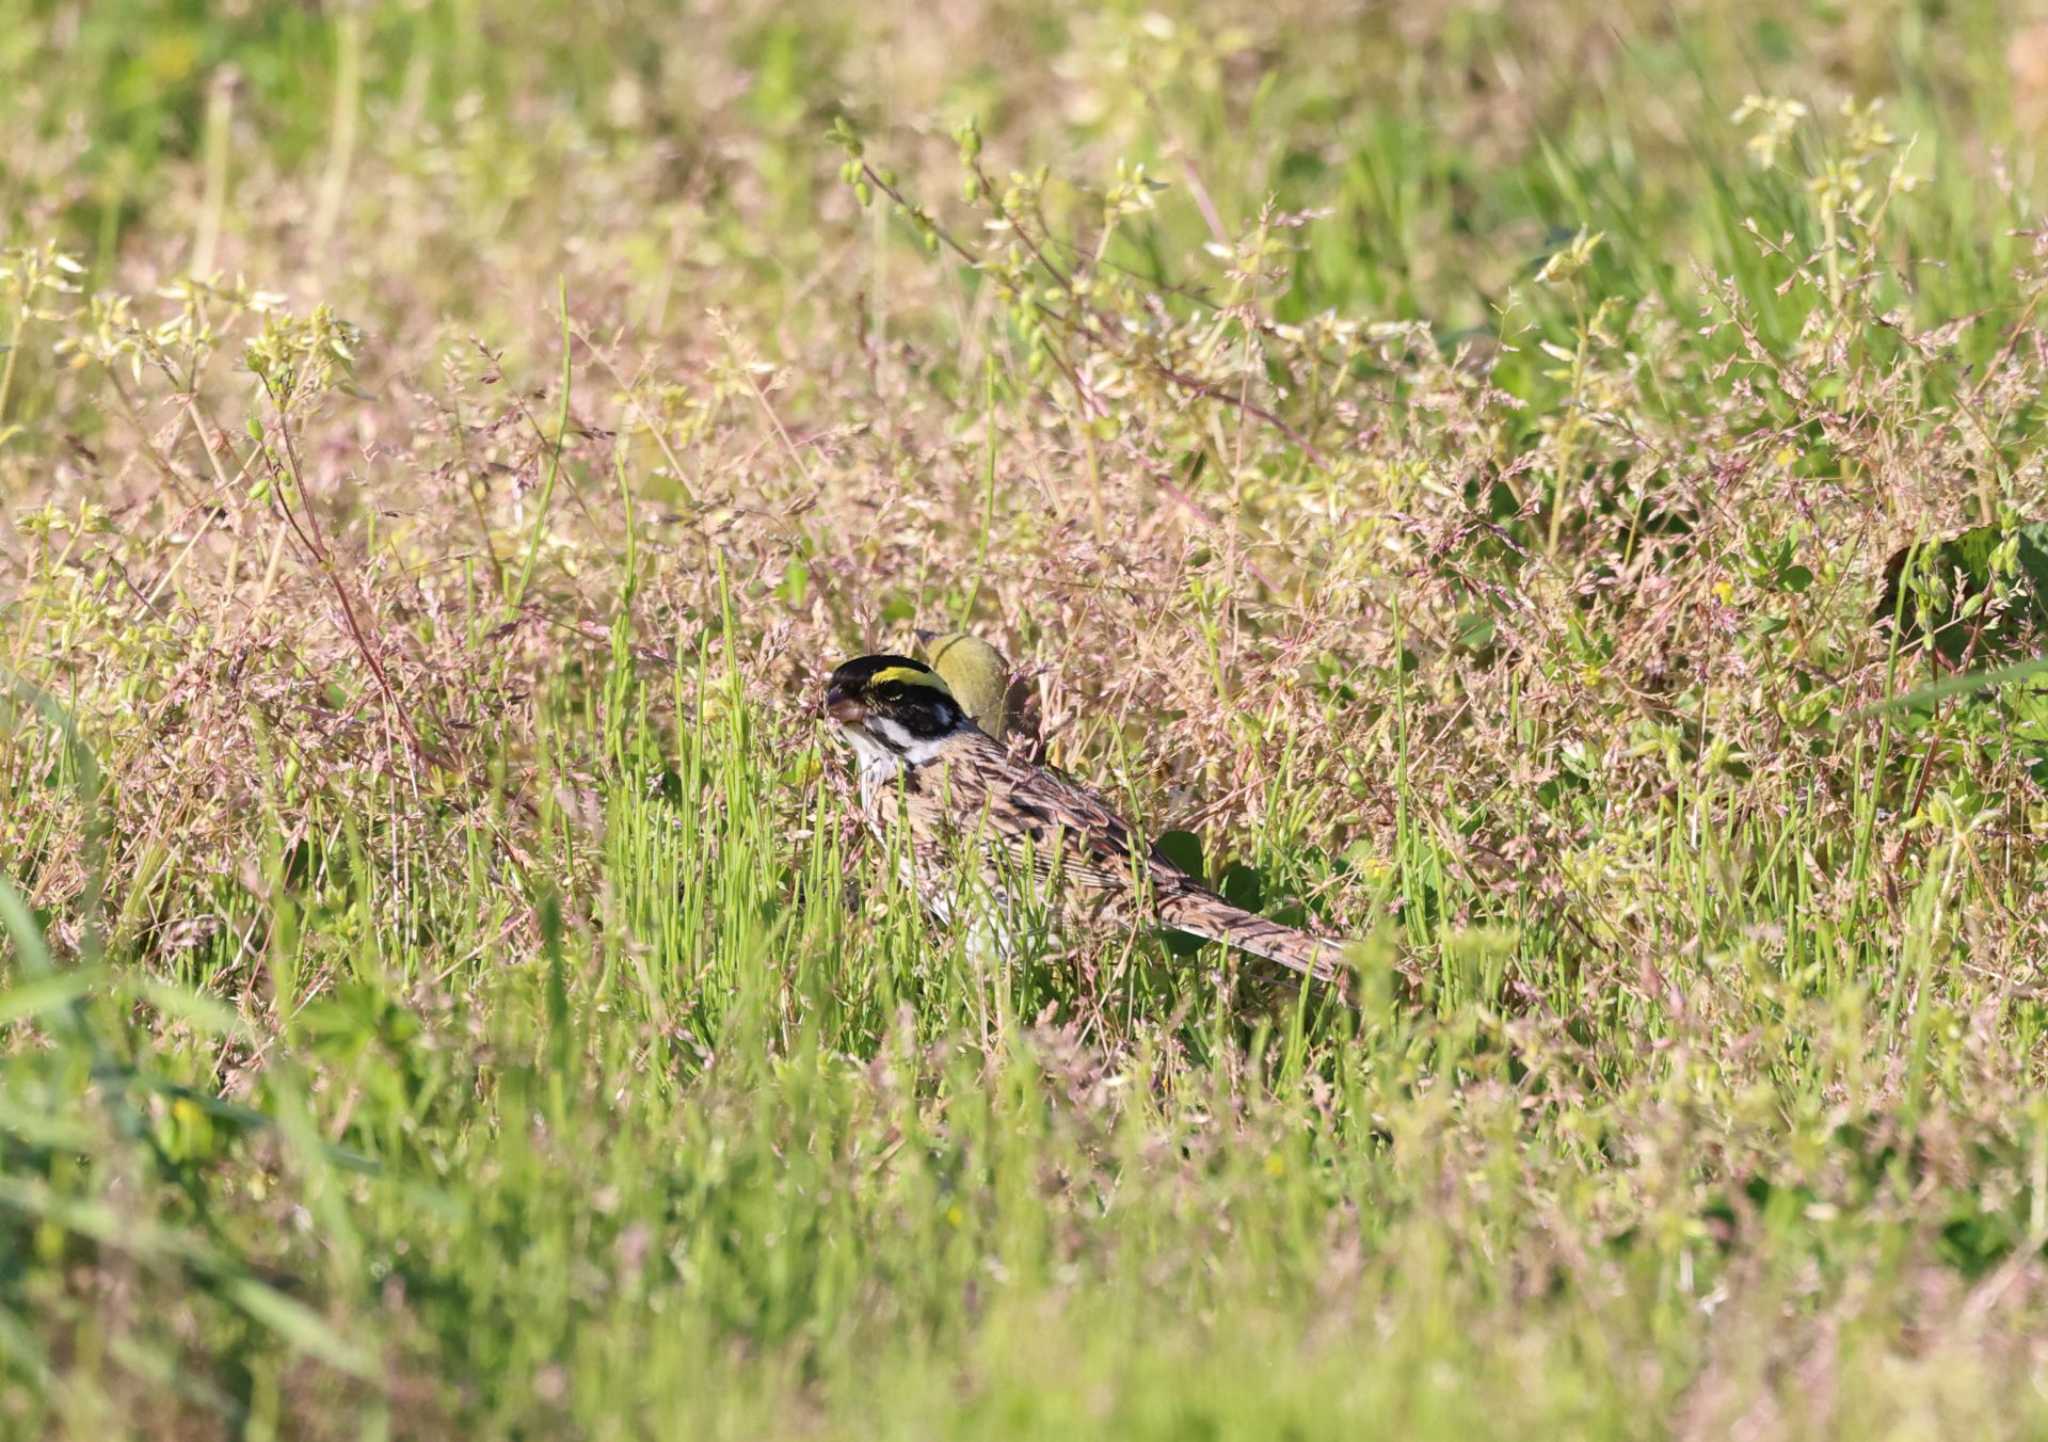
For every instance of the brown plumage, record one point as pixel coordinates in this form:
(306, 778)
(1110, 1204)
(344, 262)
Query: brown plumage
(962, 793)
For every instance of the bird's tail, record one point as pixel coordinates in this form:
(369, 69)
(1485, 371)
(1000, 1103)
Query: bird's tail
(1201, 912)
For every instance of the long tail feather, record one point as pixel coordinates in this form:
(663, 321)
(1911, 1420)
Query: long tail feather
(1202, 913)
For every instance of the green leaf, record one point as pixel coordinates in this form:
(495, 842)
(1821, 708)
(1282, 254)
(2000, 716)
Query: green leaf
(29, 949)
(897, 608)
(1183, 849)
(1933, 588)
(202, 1013)
(1951, 685)
(300, 1327)
(1475, 630)
(796, 582)
(1242, 886)
(53, 989)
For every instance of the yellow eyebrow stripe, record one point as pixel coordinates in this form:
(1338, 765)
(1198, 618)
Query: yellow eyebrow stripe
(906, 676)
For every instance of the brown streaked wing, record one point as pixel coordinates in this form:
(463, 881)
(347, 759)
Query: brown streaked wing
(1023, 809)
(978, 783)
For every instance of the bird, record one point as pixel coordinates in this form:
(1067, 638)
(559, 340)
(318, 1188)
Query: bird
(1043, 840)
(977, 675)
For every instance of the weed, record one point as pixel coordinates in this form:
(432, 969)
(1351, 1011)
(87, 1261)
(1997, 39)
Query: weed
(1552, 491)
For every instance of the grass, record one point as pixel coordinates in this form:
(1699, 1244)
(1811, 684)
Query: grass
(1446, 460)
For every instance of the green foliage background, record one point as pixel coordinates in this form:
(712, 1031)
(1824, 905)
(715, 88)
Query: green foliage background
(1442, 459)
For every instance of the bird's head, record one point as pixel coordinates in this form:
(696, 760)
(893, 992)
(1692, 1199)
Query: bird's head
(892, 706)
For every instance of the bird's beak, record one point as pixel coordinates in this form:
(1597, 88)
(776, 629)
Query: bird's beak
(844, 707)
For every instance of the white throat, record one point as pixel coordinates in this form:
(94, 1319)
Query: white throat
(874, 756)
(889, 747)
(909, 749)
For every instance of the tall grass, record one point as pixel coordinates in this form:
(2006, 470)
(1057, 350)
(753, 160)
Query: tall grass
(1447, 458)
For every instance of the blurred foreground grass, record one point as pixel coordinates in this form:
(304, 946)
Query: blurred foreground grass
(1445, 455)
